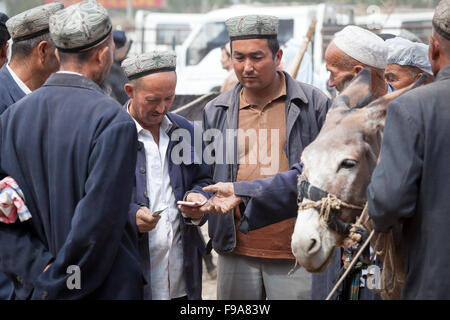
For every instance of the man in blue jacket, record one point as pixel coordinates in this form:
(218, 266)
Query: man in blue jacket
(33, 57)
(268, 105)
(32, 61)
(167, 171)
(72, 150)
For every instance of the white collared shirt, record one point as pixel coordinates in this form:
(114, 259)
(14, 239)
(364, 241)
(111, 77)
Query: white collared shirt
(19, 82)
(166, 251)
(70, 72)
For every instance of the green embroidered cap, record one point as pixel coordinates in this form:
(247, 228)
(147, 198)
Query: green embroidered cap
(33, 22)
(80, 26)
(147, 63)
(441, 19)
(252, 26)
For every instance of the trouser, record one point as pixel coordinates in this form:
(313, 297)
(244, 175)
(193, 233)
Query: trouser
(247, 278)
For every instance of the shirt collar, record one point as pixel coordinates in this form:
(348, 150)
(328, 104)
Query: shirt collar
(280, 93)
(166, 124)
(70, 72)
(19, 82)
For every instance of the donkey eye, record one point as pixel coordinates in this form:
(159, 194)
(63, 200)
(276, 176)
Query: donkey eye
(348, 164)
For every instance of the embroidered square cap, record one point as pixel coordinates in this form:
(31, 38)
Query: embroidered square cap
(80, 26)
(441, 19)
(33, 22)
(252, 27)
(147, 63)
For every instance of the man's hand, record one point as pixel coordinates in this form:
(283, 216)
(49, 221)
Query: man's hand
(224, 199)
(222, 202)
(145, 222)
(194, 213)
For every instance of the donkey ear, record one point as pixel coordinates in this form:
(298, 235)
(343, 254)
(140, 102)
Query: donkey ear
(357, 93)
(376, 111)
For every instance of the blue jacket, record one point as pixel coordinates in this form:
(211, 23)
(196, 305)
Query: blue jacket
(306, 109)
(186, 177)
(72, 149)
(9, 94)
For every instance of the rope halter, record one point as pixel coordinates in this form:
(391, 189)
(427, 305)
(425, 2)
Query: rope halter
(329, 205)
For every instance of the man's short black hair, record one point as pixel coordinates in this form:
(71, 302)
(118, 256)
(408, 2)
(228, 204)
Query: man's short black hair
(23, 48)
(4, 37)
(4, 34)
(273, 44)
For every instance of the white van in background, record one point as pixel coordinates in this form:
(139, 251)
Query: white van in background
(198, 63)
(416, 21)
(162, 31)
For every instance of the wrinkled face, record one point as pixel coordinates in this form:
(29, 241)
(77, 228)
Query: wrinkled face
(254, 63)
(401, 76)
(340, 162)
(340, 73)
(152, 96)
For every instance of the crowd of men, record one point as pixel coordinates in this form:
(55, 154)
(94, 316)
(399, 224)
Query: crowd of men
(103, 180)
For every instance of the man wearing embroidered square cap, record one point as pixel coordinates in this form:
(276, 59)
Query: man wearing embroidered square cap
(286, 116)
(170, 245)
(32, 54)
(32, 61)
(75, 164)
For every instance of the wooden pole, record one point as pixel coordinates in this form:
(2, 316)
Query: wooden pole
(295, 67)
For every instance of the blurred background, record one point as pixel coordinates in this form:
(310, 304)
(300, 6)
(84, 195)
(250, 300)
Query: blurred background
(195, 30)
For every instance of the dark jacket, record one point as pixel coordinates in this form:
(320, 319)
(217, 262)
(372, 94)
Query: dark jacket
(184, 178)
(10, 92)
(411, 184)
(115, 82)
(72, 149)
(306, 108)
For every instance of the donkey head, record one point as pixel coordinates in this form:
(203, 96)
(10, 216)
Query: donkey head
(340, 162)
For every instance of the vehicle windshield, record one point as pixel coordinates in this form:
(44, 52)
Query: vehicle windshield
(214, 34)
(172, 34)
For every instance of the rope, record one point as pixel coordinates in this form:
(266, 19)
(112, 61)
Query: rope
(384, 247)
(326, 205)
(355, 259)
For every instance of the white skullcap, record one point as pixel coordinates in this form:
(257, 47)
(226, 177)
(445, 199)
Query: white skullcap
(363, 46)
(408, 53)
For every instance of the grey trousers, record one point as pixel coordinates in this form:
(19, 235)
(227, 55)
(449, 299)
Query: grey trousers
(247, 278)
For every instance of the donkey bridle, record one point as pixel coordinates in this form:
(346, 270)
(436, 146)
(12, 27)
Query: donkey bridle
(315, 194)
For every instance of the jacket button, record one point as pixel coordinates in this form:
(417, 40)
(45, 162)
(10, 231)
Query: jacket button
(142, 170)
(145, 194)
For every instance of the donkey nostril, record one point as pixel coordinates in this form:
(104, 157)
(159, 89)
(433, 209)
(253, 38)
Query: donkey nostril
(311, 246)
(314, 246)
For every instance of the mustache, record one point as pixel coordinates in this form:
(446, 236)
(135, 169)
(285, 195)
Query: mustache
(155, 114)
